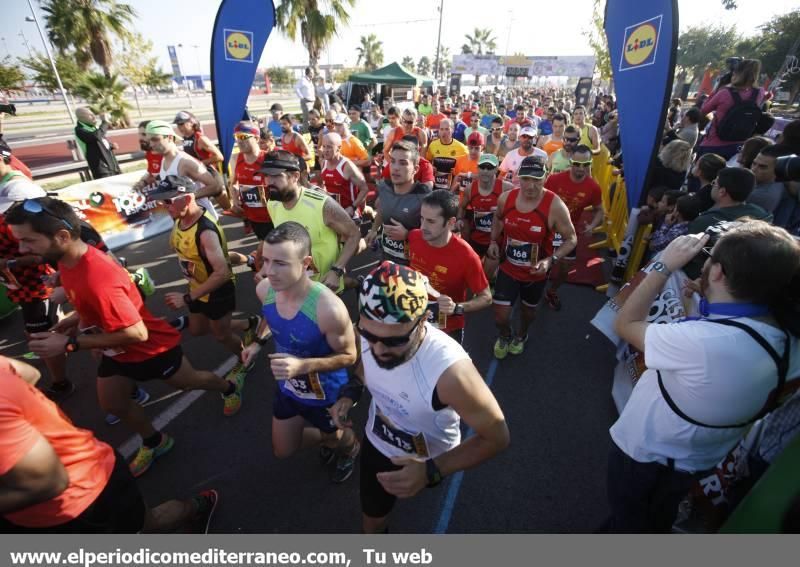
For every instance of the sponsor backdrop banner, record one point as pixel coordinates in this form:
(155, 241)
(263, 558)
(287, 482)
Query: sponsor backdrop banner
(240, 32)
(120, 214)
(524, 66)
(642, 41)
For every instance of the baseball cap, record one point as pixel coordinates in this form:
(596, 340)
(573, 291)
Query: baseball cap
(277, 162)
(184, 116)
(172, 186)
(532, 166)
(392, 293)
(341, 119)
(488, 158)
(546, 127)
(17, 189)
(529, 131)
(246, 128)
(159, 127)
(476, 139)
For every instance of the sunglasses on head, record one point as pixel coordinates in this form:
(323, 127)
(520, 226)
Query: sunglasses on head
(242, 136)
(391, 342)
(580, 163)
(487, 167)
(37, 208)
(172, 200)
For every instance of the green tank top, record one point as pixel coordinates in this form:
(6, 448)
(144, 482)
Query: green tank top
(308, 211)
(560, 161)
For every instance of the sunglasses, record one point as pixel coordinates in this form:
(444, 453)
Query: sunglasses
(580, 163)
(239, 137)
(497, 129)
(487, 167)
(37, 208)
(571, 140)
(391, 342)
(172, 200)
(411, 122)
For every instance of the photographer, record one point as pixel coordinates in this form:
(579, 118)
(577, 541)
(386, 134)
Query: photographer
(728, 132)
(708, 377)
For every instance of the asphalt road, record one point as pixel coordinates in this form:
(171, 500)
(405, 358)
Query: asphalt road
(556, 399)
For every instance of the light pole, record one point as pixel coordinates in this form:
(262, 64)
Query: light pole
(438, 42)
(52, 62)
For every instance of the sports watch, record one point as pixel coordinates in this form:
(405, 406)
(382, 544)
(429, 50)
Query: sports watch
(187, 299)
(458, 309)
(433, 473)
(661, 268)
(338, 271)
(72, 345)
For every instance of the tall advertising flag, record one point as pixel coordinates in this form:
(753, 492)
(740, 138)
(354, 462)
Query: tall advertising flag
(642, 43)
(241, 30)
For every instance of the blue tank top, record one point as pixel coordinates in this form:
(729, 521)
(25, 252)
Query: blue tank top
(301, 337)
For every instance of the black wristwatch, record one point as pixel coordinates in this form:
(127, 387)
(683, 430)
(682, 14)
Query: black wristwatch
(433, 473)
(338, 271)
(72, 345)
(458, 309)
(187, 299)
(261, 341)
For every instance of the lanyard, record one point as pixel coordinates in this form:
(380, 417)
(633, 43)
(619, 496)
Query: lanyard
(731, 310)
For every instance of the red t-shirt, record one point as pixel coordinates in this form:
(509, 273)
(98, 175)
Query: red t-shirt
(107, 301)
(483, 208)
(25, 415)
(251, 183)
(432, 121)
(450, 269)
(153, 163)
(23, 284)
(577, 196)
(424, 173)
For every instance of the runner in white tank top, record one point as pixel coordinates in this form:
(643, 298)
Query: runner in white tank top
(422, 385)
(204, 202)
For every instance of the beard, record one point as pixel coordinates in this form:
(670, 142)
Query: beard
(53, 254)
(144, 146)
(393, 361)
(282, 196)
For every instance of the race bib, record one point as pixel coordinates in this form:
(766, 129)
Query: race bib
(396, 248)
(466, 180)
(406, 442)
(441, 179)
(95, 330)
(558, 240)
(251, 197)
(306, 387)
(9, 280)
(521, 253)
(483, 221)
(435, 316)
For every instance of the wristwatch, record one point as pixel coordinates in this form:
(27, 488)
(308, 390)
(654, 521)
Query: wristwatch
(187, 299)
(11, 263)
(459, 309)
(72, 345)
(553, 260)
(661, 268)
(338, 271)
(433, 473)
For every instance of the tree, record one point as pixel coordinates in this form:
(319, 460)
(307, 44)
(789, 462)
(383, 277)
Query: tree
(729, 4)
(702, 47)
(598, 41)
(480, 42)
(370, 51)
(408, 63)
(157, 79)
(772, 44)
(11, 76)
(316, 27)
(444, 62)
(135, 63)
(424, 65)
(106, 94)
(43, 75)
(85, 27)
(279, 76)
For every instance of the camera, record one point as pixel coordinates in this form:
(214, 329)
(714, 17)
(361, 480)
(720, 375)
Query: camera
(8, 109)
(787, 168)
(732, 63)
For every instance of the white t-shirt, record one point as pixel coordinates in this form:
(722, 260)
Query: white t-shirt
(715, 374)
(514, 158)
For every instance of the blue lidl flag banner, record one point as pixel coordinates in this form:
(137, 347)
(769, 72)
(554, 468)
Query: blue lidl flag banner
(642, 42)
(240, 33)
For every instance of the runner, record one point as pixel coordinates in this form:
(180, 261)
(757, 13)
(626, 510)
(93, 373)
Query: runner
(294, 143)
(555, 141)
(450, 265)
(58, 478)
(577, 190)
(560, 160)
(399, 202)
(466, 168)
(361, 128)
(153, 160)
(247, 184)
(495, 139)
(510, 141)
(110, 316)
(513, 159)
(527, 217)
(589, 135)
(195, 143)
(407, 127)
(273, 122)
(314, 345)
(422, 384)
(324, 219)
(435, 118)
(443, 154)
(351, 148)
(315, 128)
(174, 162)
(341, 177)
(477, 207)
(424, 173)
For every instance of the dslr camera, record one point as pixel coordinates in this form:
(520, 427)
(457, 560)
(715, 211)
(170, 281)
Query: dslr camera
(787, 168)
(732, 63)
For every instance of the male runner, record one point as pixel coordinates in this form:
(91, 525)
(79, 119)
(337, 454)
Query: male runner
(510, 142)
(153, 159)
(342, 178)
(434, 119)
(314, 344)
(526, 217)
(111, 317)
(443, 153)
(351, 147)
(561, 160)
(360, 128)
(399, 202)
(589, 134)
(578, 191)
(513, 159)
(293, 142)
(450, 264)
(466, 168)
(195, 143)
(422, 385)
(248, 183)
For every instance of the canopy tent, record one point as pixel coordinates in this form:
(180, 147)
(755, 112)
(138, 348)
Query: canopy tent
(392, 74)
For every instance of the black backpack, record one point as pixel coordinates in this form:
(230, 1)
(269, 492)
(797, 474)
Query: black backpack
(742, 120)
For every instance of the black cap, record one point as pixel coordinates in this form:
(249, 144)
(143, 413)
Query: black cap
(276, 108)
(532, 166)
(184, 116)
(172, 186)
(279, 161)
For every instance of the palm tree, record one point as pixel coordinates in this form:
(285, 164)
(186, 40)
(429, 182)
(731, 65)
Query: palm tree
(370, 51)
(444, 61)
(480, 42)
(424, 65)
(106, 94)
(316, 27)
(157, 80)
(86, 26)
(408, 63)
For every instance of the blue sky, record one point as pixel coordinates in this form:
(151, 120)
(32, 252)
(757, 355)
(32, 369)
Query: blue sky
(534, 28)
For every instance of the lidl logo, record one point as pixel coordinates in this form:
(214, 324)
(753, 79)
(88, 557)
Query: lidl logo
(239, 46)
(640, 46)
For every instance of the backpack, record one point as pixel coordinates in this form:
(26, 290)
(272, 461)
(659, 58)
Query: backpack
(742, 120)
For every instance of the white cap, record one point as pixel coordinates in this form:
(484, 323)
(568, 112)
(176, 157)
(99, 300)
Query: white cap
(341, 119)
(17, 189)
(529, 131)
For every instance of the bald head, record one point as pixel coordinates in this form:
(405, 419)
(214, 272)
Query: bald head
(331, 144)
(332, 138)
(85, 115)
(446, 130)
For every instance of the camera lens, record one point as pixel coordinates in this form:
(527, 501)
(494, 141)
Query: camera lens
(787, 168)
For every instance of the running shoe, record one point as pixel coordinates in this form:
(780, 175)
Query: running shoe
(144, 281)
(233, 402)
(145, 456)
(552, 299)
(206, 502)
(180, 323)
(501, 348)
(345, 465)
(517, 345)
(140, 396)
(60, 391)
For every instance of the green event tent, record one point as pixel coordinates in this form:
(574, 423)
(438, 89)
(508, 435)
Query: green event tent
(392, 74)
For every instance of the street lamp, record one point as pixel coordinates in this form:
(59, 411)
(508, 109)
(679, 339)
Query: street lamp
(52, 62)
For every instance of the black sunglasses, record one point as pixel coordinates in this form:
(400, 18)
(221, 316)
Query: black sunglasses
(37, 208)
(571, 139)
(391, 342)
(487, 167)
